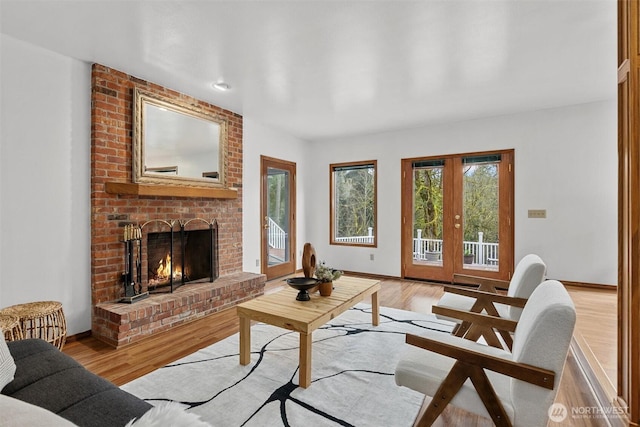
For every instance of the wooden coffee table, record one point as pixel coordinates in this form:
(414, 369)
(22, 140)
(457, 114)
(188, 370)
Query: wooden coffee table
(283, 310)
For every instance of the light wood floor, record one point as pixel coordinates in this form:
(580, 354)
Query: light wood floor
(597, 322)
(126, 364)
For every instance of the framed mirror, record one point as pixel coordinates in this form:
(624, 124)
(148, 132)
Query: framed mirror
(177, 143)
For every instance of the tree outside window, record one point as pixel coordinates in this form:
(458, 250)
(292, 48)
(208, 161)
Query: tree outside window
(353, 203)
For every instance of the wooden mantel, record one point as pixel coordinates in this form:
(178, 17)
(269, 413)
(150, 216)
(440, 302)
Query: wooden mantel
(169, 190)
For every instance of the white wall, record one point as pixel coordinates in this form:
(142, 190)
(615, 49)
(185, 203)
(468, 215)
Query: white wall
(261, 140)
(565, 162)
(45, 180)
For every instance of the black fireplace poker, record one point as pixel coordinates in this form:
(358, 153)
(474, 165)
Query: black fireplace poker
(132, 293)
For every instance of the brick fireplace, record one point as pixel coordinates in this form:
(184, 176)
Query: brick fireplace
(111, 164)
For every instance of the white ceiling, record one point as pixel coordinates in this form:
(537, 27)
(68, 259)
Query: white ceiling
(325, 69)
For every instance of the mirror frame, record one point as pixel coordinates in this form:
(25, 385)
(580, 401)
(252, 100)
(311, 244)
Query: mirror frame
(142, 97)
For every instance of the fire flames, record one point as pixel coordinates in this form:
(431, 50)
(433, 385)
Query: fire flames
(163, 272)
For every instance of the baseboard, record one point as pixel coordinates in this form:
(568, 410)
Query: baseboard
(588, 285)
(386, 277)
(383, 276)
(369, 275)
(603, 390)
(78, 336)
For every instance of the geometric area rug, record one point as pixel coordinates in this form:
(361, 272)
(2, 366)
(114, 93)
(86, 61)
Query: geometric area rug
(352, 382)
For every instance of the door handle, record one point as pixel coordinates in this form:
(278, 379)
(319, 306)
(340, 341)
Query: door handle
(457, 225)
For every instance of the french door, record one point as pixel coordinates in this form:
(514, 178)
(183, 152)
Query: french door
(278, 207)
(457, 216)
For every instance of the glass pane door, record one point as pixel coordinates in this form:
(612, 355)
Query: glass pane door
(278, 208)
(457, 216)
(481, 213)
(428, 213)
(426, 204)
(277, 218)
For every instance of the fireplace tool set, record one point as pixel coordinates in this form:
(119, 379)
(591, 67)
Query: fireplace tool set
(132, 288)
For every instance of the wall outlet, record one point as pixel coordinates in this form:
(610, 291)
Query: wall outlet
(371, 257)
(257, 263)
(537, 213)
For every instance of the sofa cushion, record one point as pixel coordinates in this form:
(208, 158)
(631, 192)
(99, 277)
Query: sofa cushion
(48, 378)
(7, 364)
(108, 408)
(16, 413)
(36, 360)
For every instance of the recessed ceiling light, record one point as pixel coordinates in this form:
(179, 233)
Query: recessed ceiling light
(222, 86)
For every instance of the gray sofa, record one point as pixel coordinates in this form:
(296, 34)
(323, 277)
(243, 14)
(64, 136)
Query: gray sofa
(50, 379)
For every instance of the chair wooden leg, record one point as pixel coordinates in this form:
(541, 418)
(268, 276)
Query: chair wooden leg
(476, 331)
(507, 338)
(447, 390)
(473, 333)
(491, 338)
(450, 387)
(461, 328)
(488, 396)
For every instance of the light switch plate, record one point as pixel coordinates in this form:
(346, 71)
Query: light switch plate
(537, 213)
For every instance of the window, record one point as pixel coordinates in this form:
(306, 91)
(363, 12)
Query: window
(353, 203)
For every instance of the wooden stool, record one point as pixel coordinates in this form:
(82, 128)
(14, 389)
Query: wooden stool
(42, 319)
(10, 325)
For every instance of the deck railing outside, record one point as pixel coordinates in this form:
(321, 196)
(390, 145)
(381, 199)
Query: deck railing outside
(357, 239)
(431, 249)
(423, 249)
(277, 236)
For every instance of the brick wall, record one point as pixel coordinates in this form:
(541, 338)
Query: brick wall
(111, 160)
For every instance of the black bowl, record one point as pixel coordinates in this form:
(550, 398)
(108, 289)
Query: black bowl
(303, 284)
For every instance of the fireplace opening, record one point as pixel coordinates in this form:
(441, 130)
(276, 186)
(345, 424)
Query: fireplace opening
(179, 257)
(161, 255)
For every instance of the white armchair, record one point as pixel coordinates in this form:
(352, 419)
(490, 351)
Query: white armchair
(528, 274)
(512, 388)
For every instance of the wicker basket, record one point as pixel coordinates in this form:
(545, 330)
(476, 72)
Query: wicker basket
(10, 325)
(42, 319)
